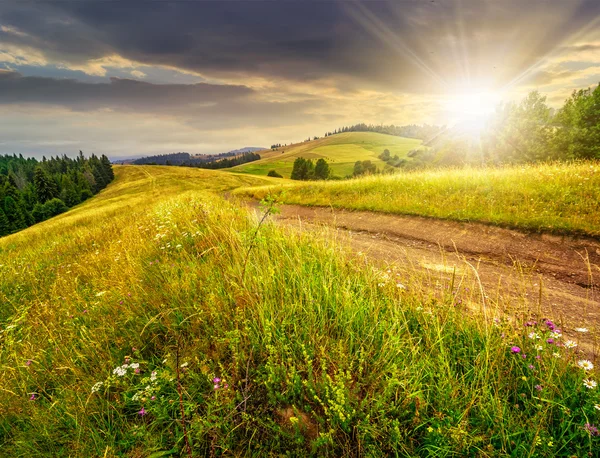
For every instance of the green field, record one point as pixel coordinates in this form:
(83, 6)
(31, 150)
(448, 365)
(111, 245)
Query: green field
(341, 151)
(561, 197)
(158, 319)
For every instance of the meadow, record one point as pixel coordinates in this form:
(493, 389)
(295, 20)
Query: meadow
(554, 197)
(341, 151)
(159, 319)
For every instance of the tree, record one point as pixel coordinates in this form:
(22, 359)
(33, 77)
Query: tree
(273, 173)
(322, 170)
(4, 224)
(303, 169)
(358, 169)
(578, 133)
(14, 214)
(385, 156)
(45, 188)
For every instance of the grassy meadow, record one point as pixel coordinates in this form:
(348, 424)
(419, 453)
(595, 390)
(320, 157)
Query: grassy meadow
(559, 197)
(158, 319)
(341, 151)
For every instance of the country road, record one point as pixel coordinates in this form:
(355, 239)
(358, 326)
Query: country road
(529, 275)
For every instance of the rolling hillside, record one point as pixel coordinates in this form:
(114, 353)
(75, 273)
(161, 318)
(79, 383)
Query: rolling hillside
(341, 152)
(159, 319)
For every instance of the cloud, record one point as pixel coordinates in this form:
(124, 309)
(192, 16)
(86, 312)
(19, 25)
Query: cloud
(119, 93)
(412, 46)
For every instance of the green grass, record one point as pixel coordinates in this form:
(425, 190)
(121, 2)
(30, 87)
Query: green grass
(341, 152)
(319, 352)
(561, 198)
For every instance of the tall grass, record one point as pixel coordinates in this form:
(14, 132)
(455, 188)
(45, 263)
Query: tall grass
(120, 328)
(561, 198)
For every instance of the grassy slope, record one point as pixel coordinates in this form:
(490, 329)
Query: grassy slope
(556, 198)
(325, 356)
(341, 151)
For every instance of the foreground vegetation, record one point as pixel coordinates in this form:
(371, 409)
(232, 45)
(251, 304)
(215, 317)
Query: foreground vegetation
(159, 320)
(560, 197)
(341, 152)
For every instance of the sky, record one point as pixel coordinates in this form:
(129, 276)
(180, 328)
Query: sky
(130, 78)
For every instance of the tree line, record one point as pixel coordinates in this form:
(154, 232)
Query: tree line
(32, 191)
(423, 132)
(523, 132)
(305, 169)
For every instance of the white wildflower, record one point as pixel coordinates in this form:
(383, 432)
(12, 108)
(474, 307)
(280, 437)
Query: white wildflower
(585, 364)
(589, 383)
(555, 335)
(100, 294)
(534, 335)
(581, 329)
(570, 344)
(97, 387)
(134, 365)
(120, 371)
(184, 365)
(539, 348)
(556, 354)
(153, 376)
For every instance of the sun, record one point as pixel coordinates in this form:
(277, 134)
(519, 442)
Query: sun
(471, 109)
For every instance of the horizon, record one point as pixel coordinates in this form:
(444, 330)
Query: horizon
(140, 79)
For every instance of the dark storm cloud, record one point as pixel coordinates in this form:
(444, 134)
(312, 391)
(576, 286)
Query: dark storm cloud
(207, 105)
(413, 45)
(118, 93)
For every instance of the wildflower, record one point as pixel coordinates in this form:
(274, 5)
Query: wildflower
(33, 397)
(556, 334)
(556, 354)
(28, 362)
(539, 348)
(582, 330)
(137, 371)
(184, 365)
(100, 294)
(120, 371)
(153, 398)
(550, 325)
(570, 344)
(429, 429)
(597, 406)
(531, 366)
(589, 383)
(550, 341)
(524, 378)
(153, 376)
(142, 412)
(97, 387)
(538, 387)
(591, 429)
(134, 365)
(585, 365)
(515, 349)
(533, 335)
(524, 356)
(216, 380)
(400, 286)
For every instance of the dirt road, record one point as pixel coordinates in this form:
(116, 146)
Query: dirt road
(530, 274)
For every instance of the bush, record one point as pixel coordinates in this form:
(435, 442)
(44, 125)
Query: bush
(273, 173)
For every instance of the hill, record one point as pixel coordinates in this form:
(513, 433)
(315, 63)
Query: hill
(158, 319)
(341, 151)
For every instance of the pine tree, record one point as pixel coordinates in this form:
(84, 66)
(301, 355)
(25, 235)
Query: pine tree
(45, 188)
(4, 224)
(322, 170)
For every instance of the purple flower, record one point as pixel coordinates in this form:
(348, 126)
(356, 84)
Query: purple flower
(153, 398)
(28, 363)
(524, 356)
(137, 370)
(142, 412)
(550, 341)
(538, 357)
(216, 380)
(515, 349)
(538, 387)
(32, 397)
(217, 386)
(531, 366)
(550, 325)
(591, 429)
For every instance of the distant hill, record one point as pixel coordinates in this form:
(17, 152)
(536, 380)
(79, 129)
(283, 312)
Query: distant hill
(341, 151)
(184, 158)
